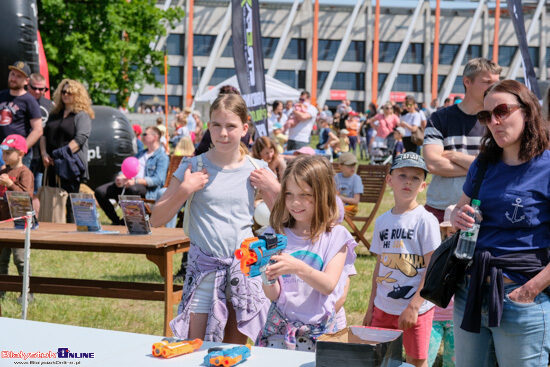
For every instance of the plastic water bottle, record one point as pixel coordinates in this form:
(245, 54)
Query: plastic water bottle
(467, 241)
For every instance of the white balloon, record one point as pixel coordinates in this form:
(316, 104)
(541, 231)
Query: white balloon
(261, 214)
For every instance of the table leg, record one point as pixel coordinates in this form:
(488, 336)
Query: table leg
(168, 291)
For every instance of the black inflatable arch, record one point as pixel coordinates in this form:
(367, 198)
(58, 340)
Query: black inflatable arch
(111, 141)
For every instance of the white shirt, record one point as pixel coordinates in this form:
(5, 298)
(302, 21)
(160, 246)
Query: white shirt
(411, 119)
(302, 131)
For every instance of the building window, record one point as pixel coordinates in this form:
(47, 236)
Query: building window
(409, 83)
(472, 52)
(447, 53)
(293, 78)
(175, 44)
(175, 75)
(203, 44)
(296, 49)
(358, 106)
(521, 80)
(328, 49)
(343, 80)
(440, 80)
(269, 44)
(221, 74)
(381, 80)
(356, 51)
(505, 54)
(175, 101)
(414, 54)
(388, 51)
(458, 86)
(547, 56)
(534, 53)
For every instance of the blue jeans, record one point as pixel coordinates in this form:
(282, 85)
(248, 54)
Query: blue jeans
(522, 339)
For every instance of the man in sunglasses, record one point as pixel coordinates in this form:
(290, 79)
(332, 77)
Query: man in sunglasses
(453, 135)
(37, 88)
(19, 111)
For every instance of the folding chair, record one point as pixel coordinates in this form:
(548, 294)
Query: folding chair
(373, 178)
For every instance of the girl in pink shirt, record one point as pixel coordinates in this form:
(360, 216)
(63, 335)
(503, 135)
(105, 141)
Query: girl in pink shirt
(312, 271)
(385, 122)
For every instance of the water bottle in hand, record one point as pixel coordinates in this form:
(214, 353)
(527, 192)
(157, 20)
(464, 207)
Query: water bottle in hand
(467, 241)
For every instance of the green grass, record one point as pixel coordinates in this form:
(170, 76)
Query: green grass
(144, 316)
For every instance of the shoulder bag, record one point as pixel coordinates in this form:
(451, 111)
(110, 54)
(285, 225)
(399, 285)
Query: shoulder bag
(445, 270)
(417, 136)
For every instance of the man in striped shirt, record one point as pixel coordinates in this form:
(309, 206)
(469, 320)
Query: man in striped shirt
(453, 135)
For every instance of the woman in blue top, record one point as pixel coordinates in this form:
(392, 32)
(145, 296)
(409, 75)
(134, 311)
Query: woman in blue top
(503, 300)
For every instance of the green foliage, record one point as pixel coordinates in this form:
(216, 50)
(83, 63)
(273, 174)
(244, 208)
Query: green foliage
(105, 44)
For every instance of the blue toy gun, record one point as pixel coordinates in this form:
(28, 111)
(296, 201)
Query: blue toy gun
(227, 357)
(255, 254)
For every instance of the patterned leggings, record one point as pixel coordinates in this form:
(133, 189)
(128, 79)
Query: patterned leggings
(442, 331)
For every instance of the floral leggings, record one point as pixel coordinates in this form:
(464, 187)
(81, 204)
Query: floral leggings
(442, 331)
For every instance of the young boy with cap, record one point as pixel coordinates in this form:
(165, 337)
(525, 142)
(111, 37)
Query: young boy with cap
(404, 239)
(14, 177)
(348, 183)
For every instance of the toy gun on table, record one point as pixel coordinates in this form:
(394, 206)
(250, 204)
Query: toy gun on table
(227, 357)
(255, 254)
(171, 347)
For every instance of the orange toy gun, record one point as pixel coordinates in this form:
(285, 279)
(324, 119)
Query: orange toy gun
(171, 347)
(255, 254)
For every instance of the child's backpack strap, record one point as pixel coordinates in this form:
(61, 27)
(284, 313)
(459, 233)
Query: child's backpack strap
(186, 213)
(256, 166)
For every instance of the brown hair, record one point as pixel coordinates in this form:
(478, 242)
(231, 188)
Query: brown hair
(316, 172)
(154, 129)
(260, 144)
(534, 138)
(232, 103)
(81, 99)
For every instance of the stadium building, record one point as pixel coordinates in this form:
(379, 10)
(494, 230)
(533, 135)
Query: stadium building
(346, 31)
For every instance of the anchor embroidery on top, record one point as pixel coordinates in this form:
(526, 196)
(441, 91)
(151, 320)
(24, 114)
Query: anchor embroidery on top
(514, 218)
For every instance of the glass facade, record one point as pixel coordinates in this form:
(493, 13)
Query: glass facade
(202, 44)
(343, 80)
(328, 49)
(414, 54)
(220, 74)
(175, 44)
(175, 75)
(472, 52)
(389, 50)
(269, 44)
(381, 80)
(356, 51)
(447, 53)
(409, 83)
(296, 49)
(505, 54)
(293, 78)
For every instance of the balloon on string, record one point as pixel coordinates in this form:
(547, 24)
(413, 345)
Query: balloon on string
(130, 167)
(261, 214)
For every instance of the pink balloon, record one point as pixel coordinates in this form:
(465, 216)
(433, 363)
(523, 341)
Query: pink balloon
(130, 167)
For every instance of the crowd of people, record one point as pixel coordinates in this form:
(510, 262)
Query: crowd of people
(494, 138)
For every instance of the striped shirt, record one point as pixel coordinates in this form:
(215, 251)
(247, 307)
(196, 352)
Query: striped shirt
(454, 130)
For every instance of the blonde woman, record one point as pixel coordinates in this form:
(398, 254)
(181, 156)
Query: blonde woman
(66, 135)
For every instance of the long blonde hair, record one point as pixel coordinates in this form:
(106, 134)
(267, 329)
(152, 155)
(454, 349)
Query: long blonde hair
(184, 147)
(81, 99)
(317, 172)
(232, 103)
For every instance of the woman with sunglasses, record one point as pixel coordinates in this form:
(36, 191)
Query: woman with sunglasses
(67, 130)
(383, 124)
(503, 299)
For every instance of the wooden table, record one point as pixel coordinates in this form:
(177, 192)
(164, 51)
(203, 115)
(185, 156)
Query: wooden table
(159, 247)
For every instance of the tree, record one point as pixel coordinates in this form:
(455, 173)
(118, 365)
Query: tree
(105, 44)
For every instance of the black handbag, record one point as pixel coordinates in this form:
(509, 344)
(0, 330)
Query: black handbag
(445, 270)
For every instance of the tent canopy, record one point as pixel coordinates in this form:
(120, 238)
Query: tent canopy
(275, 90)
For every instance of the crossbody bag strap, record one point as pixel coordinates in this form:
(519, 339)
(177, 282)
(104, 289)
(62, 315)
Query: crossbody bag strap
(186, 214)
(483, 163)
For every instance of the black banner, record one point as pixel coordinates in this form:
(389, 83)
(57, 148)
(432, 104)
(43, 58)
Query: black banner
(516, 13)
(249, 59)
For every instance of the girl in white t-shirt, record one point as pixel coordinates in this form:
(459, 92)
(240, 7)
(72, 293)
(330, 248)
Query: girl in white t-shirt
(312, 271)
(219, 303)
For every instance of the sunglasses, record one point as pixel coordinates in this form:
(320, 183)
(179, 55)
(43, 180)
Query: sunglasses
(43, 89)
(66, 93)
(500, 112)
(144, 134)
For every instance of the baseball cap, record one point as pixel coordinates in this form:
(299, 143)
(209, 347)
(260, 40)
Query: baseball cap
(14, 141)
(137, 129)
(22, 67)
(353, 113)
(409, 159)
(347, 159)
(344, 131)
(400, 130)
(447, 217)
(277, 125)
(305, 150)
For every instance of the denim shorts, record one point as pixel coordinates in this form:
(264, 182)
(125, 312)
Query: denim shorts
(522, 339)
